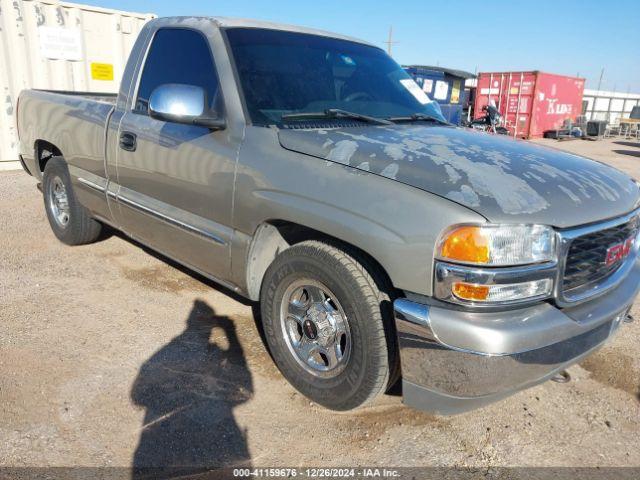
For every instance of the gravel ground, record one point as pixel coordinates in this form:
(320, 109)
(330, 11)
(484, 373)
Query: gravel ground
(112, 356)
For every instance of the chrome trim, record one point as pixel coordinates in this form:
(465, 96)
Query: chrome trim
(507, 332)
(566, 237)
(446, 274)
(445, 379)
(170, 220)
(91, 184)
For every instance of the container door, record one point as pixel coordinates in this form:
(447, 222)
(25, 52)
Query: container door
(558, 100)
(512, 93)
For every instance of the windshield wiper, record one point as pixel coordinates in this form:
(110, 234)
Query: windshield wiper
(418, 117)
(335, 113)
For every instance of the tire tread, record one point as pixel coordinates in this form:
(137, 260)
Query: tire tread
(374, 291)
(82, 228)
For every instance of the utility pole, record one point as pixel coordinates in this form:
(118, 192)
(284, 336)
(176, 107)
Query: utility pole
(390, 41)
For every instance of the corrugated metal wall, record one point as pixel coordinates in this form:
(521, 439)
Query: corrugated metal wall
(59, 46)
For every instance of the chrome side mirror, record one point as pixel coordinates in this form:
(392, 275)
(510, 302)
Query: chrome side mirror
(179, 103)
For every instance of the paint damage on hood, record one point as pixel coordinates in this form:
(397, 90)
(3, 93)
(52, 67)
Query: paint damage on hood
(504, 180)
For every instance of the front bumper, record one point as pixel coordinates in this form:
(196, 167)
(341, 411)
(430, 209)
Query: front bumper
(454, 361)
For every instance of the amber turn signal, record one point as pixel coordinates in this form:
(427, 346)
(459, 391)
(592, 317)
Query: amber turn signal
(469, 291)
(466, 244)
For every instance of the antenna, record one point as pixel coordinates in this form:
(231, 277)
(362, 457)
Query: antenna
(600, 81)
(390, 41)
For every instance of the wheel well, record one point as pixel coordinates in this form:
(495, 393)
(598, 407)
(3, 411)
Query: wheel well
(45, 151)
(274, 236)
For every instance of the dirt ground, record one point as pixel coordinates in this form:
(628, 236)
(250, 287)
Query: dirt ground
(111, 356)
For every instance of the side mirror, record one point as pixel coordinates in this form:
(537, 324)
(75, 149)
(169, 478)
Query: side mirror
(175, 102)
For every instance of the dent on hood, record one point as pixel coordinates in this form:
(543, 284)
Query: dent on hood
(516, 177)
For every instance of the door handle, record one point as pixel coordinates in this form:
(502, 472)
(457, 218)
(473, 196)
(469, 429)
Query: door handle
(128, 141)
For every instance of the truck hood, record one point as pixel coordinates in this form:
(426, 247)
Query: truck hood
(504, 180)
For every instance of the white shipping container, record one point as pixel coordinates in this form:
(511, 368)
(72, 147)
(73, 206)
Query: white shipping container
(59, 46)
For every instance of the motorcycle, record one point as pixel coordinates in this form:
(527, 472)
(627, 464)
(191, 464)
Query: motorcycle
(492, 121)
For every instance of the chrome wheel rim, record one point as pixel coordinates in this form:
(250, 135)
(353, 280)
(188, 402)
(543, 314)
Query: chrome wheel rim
(59, 202)
(315, 328)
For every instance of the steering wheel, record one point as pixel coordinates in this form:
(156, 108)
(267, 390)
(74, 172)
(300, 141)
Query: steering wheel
(357, 96)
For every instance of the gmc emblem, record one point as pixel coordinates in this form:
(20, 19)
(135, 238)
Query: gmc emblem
(618, 251)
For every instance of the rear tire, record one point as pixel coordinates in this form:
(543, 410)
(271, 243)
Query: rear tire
(328, 325)
(71, 222)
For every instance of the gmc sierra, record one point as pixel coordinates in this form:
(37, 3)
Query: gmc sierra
(307, 171)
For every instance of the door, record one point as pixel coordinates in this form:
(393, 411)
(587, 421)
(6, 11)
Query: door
(176, 180)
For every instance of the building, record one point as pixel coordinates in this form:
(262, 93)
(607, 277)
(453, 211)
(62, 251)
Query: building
(609, 106)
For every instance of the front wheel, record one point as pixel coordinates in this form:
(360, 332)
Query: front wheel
(329, 325)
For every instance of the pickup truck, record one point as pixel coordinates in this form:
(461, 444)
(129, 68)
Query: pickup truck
(307, 171)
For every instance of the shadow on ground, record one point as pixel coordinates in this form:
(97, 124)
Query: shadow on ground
(628, 144)
(631, 153)
(178, 266)
(189, 389)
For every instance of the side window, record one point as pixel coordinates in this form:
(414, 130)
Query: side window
(178, 56)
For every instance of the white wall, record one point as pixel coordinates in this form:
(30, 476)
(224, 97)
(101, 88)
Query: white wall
(608, 105)
(52, 45)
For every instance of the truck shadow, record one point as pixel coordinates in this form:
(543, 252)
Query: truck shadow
(189, 389)
(178, 266)
(255, 306)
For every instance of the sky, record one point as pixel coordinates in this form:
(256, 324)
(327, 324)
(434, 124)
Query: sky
(569, 37)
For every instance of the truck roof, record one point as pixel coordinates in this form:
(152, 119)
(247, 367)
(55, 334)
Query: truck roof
(229, 22)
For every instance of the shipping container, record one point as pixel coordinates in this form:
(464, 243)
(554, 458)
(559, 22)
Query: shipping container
(531, 102)
(443, 85)
(59, 46)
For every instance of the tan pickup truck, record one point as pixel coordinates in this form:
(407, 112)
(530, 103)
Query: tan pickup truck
(307, 171)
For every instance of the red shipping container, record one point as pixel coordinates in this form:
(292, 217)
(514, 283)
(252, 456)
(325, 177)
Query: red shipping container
(531, 102)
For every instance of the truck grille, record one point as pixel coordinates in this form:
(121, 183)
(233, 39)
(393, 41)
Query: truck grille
(586, 259)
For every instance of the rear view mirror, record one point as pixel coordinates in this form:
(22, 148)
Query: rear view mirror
(179, 103)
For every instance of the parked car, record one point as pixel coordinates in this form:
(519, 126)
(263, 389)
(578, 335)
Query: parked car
(307, 171)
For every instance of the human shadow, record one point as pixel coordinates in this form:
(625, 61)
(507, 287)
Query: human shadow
(189, 389)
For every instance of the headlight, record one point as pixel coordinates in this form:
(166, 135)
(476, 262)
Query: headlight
(466, 257)
(498, 245)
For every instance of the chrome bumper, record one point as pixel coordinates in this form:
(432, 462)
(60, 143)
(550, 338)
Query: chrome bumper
(454, 361)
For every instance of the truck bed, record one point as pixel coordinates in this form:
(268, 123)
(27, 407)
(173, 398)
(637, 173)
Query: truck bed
(96, 96)
(74, 122)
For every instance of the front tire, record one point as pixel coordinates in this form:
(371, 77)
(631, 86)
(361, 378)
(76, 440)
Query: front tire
(328, 325)
(70, 221)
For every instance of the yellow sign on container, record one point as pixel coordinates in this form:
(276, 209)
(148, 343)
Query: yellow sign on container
(455, 92)
(102, 71)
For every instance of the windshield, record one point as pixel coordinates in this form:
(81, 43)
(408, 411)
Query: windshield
(283, 73)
